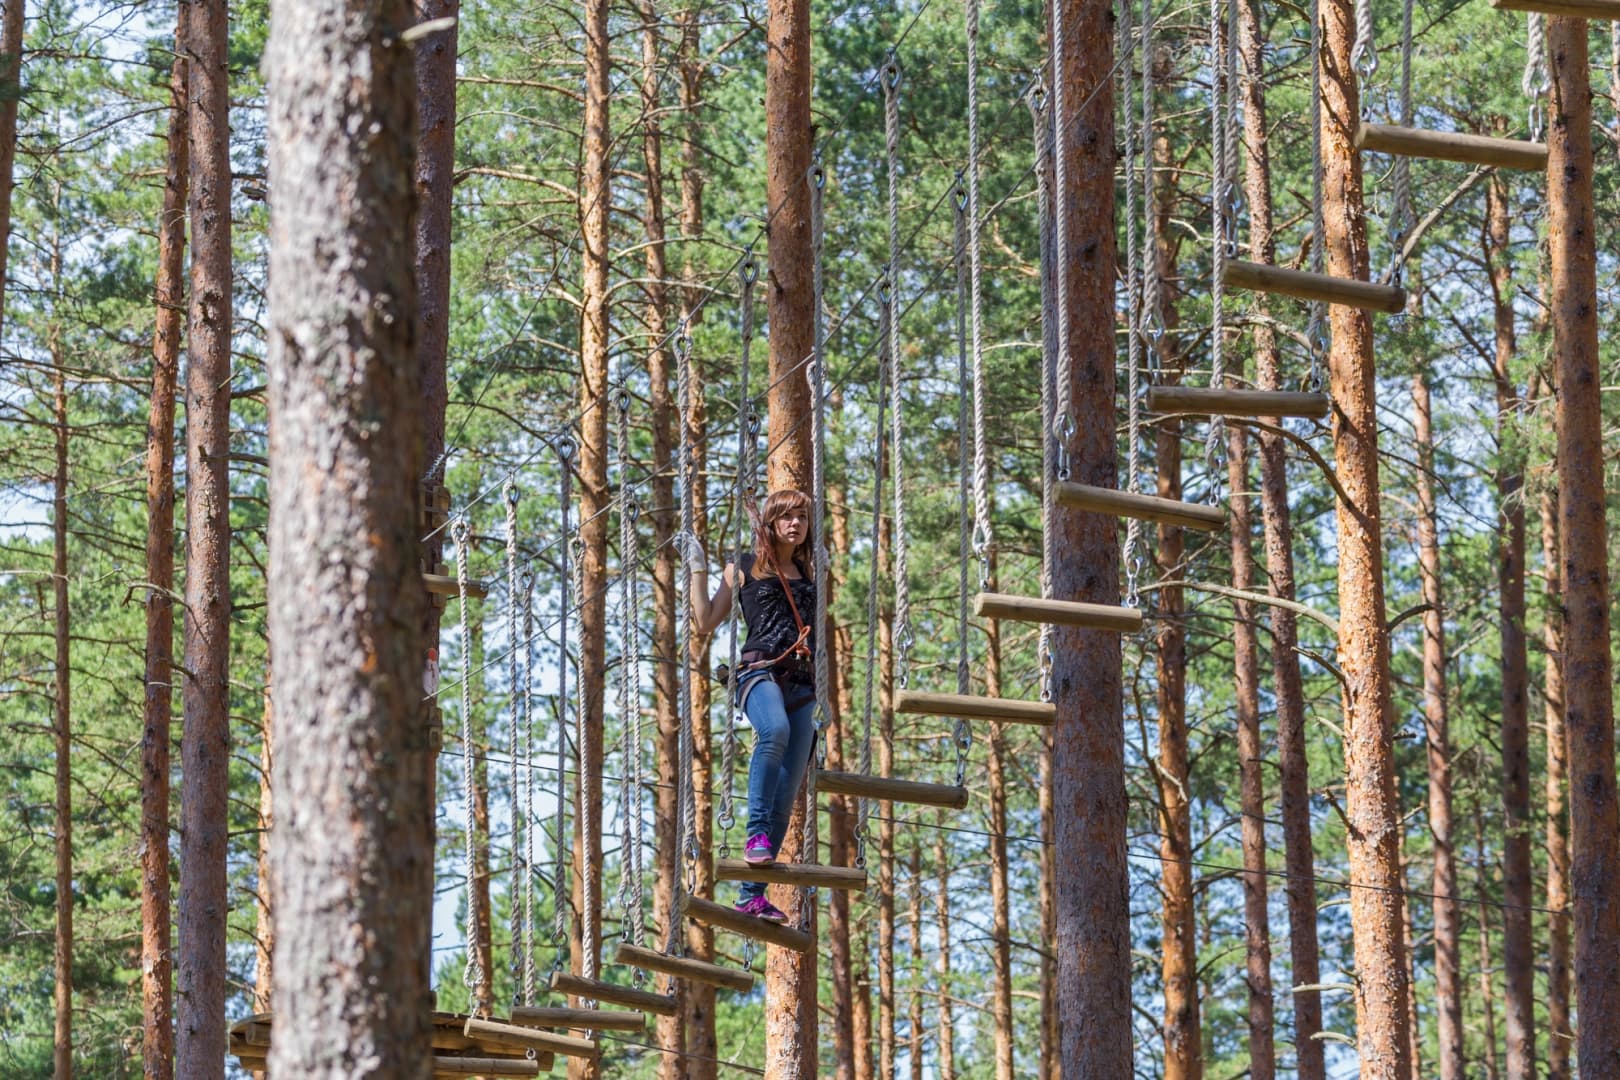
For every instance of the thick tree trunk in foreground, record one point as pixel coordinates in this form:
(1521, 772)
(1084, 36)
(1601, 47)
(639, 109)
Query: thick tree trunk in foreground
(1588, 689)
(790, 977)
(62, 717)
(1382, 973)
(1088, 755)
(1518, 944)
(11, 49)
(157, 964)
(1559, 1036)
(206, 740)
(1448, 983)
(351, 978)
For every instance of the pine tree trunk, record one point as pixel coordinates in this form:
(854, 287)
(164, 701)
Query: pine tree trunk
(1487, 993)
(1001, 1010)
(840, 809)
(205, 742)
(791, 1015)
(11, 53)
(1448, 982)
(1251, 765)
(62, 713)
(157, 962)
(1414, 1034)
(1382, 973)
(914, 1048)
(883, 758)
(1559, 1035)
(1088, 746)
(1518, 944)
(1588, 686)
(1051, 1050)
(945, 1062)
(345, 454)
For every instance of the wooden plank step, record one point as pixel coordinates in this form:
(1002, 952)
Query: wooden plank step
(445, 1065)
(444, 585)
(1257, 403)
(1057, 612)
(710, 913)
(495, 1033)
(804, 875)
(1452, 146)
(1370, 295)
(1129, 504)
(563, 982)
(888, 789)
(684, 968)
(974, 707)
(578, 1019)
(1574, 9)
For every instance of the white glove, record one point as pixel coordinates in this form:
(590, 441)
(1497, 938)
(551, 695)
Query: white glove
(691, 551)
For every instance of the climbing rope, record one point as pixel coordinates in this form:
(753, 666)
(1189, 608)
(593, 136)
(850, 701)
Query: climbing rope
(566, 584)
(1402, 218)
(1536, 81)
(527, 971)
(1223, 223)
(747, 467)
(818, 519)
(964, 417)
(1134, 137)
(888, 314)
(1049, 448)
(863, 807)
(474, 975)
(517, 653)
(630, 885)
(982, 536)
(1316, 329)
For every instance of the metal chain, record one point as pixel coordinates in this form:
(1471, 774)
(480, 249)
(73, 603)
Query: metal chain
(473, 976)
(889, 315)
(982, 536)
(1316, 329)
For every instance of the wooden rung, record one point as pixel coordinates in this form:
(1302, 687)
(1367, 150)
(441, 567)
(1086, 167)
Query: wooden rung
(1206, 402)
(710, 913)
(1129, 504)
(579, 1019)
(683, 968)
(1057, 612)
(1370, 295)
(495, 1033)
(888, 789)
(1007, 710)
(563, 982)
(1452, 146)
(804, 875)
(451, 1065)
(442, 585)
(1575, 9)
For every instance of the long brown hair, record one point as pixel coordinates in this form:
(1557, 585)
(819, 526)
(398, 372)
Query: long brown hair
(777, 505)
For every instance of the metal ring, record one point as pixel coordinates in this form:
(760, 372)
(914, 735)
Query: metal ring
(622, 399)
(566, 447)
(891, 71)
(512, 493)
(749, 271)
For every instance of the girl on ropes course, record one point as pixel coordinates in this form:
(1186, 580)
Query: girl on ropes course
(775, 682)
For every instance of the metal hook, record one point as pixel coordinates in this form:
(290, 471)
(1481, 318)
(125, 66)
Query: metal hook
(749, 271)
(566, 448)
(891, 70)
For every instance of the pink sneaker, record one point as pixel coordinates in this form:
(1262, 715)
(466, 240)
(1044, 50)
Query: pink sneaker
(761, 908)
(758, 851)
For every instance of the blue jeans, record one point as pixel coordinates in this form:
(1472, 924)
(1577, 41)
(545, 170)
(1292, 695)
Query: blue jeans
(782, 744)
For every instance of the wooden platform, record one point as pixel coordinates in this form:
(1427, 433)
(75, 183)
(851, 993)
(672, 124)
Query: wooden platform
(1248, 403)
(888, 789)
(1452, 146)
(1057, 612)
(974, 707)
(455, 1053)
(710, 913)
(803, 875)
(1369, 295)
(563, 982)
(1129, 504)
(578, 1019)
(684, 968)
(1575, 9)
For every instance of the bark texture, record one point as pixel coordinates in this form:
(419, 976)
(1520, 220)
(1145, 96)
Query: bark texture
(1088, 750)
(1559, 1036)
(11, 54)
(205, 743)
(1588, 686)
(352, 849)
(157, 963)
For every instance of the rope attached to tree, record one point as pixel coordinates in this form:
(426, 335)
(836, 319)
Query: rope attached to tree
(888, 290)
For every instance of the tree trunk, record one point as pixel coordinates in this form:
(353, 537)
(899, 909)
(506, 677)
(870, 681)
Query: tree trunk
(1414, 1034)
(1382, 973)
(1088, 755)
(1448, 983)
(206, 743)
(883, 758)
(790, 976)
(157, 963)
(62, 713)
(585, 942)
(841, 809)
(1001, 1013)
(346, 458)
(1518, 944)
(1051, 1051)
(1486, 992)
(1251, 764)
(945, 1063)
(11, 54)
(914, 1048)
(1588, 689)
(1559, 1035)
(1298, 857)
(264, 933)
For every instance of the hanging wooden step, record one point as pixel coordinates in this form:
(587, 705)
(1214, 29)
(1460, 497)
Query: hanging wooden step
(578, 1019)
(684, 968)
(443, 585)
(1258, 277)
(803, 875)
(710, 913)
(973, 707)
(1575, 9)
(496, 1033)
(456, 1053)
(1057, 612)
(1256, 403)
(1129, 504)
(563, 982)
(1452, 146)
(447, 1065)
(888, 789)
